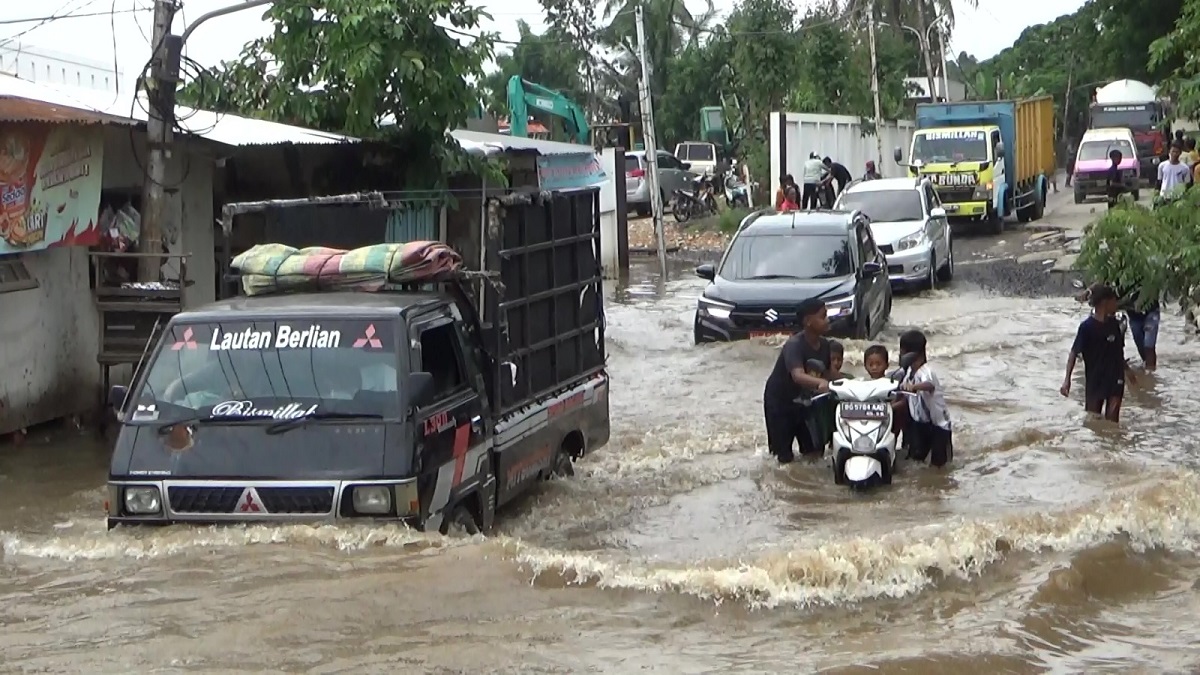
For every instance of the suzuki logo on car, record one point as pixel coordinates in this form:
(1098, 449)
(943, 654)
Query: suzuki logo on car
(771, 315)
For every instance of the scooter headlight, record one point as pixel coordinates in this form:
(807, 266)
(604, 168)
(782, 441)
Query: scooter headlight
(864, 444)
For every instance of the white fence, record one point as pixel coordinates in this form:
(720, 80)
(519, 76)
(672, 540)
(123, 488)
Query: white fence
(840, 137)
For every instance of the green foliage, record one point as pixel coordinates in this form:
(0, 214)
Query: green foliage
(730, 219)
(1157, 250)
(356, 66)
(548, 59)
(1175, 54)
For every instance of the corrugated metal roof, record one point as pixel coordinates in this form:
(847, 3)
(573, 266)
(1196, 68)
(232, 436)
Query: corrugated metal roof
(25, 101)
(22, 100)
(483, 143)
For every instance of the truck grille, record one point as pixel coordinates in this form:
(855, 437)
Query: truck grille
(203, 499)
(297, 499)
(955, 195)
(276, 500)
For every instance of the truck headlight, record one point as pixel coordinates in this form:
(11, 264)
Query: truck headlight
(142, 500)
(840, 307)
(714, 309)
(982, 193)
(371, 499)
(911, 241)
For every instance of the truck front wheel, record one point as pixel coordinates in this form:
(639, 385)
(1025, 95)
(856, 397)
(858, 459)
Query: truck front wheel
(994, 221)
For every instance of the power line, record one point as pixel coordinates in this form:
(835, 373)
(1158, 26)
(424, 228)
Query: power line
(81, 15)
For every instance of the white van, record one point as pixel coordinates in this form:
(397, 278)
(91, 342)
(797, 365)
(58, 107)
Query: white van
(702, 156)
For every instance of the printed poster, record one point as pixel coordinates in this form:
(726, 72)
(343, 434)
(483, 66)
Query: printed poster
(50, 179)
(565, 172)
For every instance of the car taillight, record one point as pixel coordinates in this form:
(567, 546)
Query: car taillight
(636, 173)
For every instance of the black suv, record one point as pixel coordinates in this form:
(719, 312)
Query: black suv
(778, 260)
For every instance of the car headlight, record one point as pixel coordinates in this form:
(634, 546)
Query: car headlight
(911, 241)
(371, 499)
(142, 500)
(714, 309)
(839, 307)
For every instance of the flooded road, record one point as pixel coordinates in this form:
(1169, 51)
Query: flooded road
(1052, 544)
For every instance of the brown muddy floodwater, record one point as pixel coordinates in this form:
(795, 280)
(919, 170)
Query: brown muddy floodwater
(1052, 545)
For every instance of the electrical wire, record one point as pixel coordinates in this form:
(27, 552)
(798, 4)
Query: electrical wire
(59, 14)
(43, 20)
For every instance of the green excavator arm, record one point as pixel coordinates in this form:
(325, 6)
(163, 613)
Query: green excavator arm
(524, 96)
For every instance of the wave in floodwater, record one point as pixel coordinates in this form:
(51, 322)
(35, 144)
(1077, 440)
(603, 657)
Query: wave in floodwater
(1164, 514)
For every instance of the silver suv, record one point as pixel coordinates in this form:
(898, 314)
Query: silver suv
(672, 175)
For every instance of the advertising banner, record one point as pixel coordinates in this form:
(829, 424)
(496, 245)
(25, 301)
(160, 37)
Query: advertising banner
(565, 172)
(50, 179)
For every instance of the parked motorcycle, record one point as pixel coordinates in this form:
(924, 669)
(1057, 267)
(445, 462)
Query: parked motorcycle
(698, 202)
(737, 192)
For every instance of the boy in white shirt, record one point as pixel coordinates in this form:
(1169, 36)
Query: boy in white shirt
(930, 432)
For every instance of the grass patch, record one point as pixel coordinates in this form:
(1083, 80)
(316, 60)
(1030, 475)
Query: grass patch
(729, 220)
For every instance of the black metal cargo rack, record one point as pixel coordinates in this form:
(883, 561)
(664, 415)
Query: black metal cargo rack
(547, 319)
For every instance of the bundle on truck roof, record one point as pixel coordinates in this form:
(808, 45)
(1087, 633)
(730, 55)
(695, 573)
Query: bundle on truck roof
(987, 160)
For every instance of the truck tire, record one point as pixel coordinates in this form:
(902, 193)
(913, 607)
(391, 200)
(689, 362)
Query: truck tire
(460, 521)
(1078, 196)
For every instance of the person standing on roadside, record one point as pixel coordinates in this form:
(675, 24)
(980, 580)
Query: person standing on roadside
(872, 173)
(839, 173)
(814, 174)
(1071, 150)
(1173, 175)
(1113, 186)
(789, 421)
(781, 193)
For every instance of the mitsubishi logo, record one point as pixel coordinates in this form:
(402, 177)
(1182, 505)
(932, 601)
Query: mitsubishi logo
(771, 315)
(249, 502)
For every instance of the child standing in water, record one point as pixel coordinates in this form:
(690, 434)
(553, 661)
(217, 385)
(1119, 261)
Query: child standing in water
(875, 360)
(1100, 340)
(930, 430)
(837, 359)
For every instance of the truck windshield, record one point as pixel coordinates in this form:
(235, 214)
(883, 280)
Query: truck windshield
(1141, 116)
(695, 152)
(787, 256)
(282, 369)
(1094, 150)
(939, 147)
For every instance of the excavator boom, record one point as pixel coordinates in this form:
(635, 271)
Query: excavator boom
(524, 96)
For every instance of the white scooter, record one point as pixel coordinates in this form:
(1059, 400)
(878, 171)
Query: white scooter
(864, 447)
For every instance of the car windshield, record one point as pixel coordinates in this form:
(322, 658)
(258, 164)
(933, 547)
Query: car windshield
(1123, 116)
(1094, 150)
(273, 368)
(939, 147)
(884, 206)
(787, 256)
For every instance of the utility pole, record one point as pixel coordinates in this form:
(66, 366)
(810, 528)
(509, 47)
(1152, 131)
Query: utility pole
(648, 133)
(945, 62)
(875, 89)
(923, 38)
(158, 137)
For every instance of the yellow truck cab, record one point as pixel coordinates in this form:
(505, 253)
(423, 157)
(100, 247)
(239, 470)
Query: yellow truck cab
(986, 160)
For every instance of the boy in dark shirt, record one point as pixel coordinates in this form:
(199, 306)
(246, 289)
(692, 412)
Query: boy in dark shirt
(1112, 179)
(787, 418)
(1100, 340)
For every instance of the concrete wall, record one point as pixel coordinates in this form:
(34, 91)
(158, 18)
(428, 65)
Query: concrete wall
(614, 216)
(50, 333)
(839, 137)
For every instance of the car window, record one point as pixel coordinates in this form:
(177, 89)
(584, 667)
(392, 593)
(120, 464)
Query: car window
(632, 163)
(698, 152)
(934, 201)
(870, 252)
(787, 256)
(440, 357)
(666, 161)
(885, 206)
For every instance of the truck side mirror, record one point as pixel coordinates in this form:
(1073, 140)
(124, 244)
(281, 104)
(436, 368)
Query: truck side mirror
(898, 155)
(420, 389)
(117, 396)
(1000, 150)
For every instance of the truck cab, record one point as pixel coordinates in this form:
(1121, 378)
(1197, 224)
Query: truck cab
(964, 164)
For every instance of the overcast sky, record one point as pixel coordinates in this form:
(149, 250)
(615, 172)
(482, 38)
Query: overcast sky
(984, 31)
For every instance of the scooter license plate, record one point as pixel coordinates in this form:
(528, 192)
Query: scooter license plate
(766, 333)
(863, 411)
